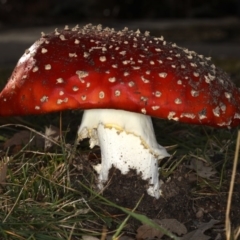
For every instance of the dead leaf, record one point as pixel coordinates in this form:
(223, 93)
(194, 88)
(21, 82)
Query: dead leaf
(198, 234)
(174, 226)
(148, 232)
(53, 133)
(23, 138)
(201, 168)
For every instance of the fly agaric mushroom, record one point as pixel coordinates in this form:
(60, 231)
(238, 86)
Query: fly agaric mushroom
(120, 78)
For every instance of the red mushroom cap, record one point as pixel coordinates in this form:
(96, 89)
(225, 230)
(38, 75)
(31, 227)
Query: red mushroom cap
(93, 67)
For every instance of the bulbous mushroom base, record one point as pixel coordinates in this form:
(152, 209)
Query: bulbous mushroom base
(127, 141)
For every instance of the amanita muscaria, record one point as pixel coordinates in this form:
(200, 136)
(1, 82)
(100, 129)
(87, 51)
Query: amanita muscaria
(120, 79)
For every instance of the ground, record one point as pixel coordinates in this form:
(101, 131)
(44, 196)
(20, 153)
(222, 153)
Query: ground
(186, 196)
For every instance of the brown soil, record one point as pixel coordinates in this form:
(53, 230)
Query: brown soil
(183, 198)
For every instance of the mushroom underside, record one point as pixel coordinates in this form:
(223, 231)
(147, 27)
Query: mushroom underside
(127, 141)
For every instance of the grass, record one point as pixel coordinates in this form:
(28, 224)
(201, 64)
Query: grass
(38, 202)
(40, 199)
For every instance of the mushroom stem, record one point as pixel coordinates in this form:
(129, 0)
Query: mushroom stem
(127, 141)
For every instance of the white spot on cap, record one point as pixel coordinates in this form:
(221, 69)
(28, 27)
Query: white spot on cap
(236, 116)
(61, 93)
(48, 67)
(152, 62)
(135, 67)
(144, 99)
(103, 59)
(60, 101)
(171, 116)
(117, 93)
(125, 74)
(196, 74)
(178, 101)
(44, 99)
(43, 50)
(75, 89)
(154, 108)
(144, 80)
(202, 114)
(72, 55)
(74, 29)
(60, 80)
(62, 37)
(179, 82)
(115, 66)
(83, 97)
(101, 94)
(223, 107)
(193, 64)
(131, 84)
(158, 94)
(35, 69)
(86, 54)
(188, 115)
(212, 77)
(76, 41)
(37, 107)
(112, 79)
(224, 123)
(194, 93)
(146, 33)
(143, 110)
(125, 62)
(216, 111)
(122, 53)
(81, 75)
(183, 66)
(56, 31)
(169, 58)
(228, 95)
(163, 74)
(207, 79)
(158, 50)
